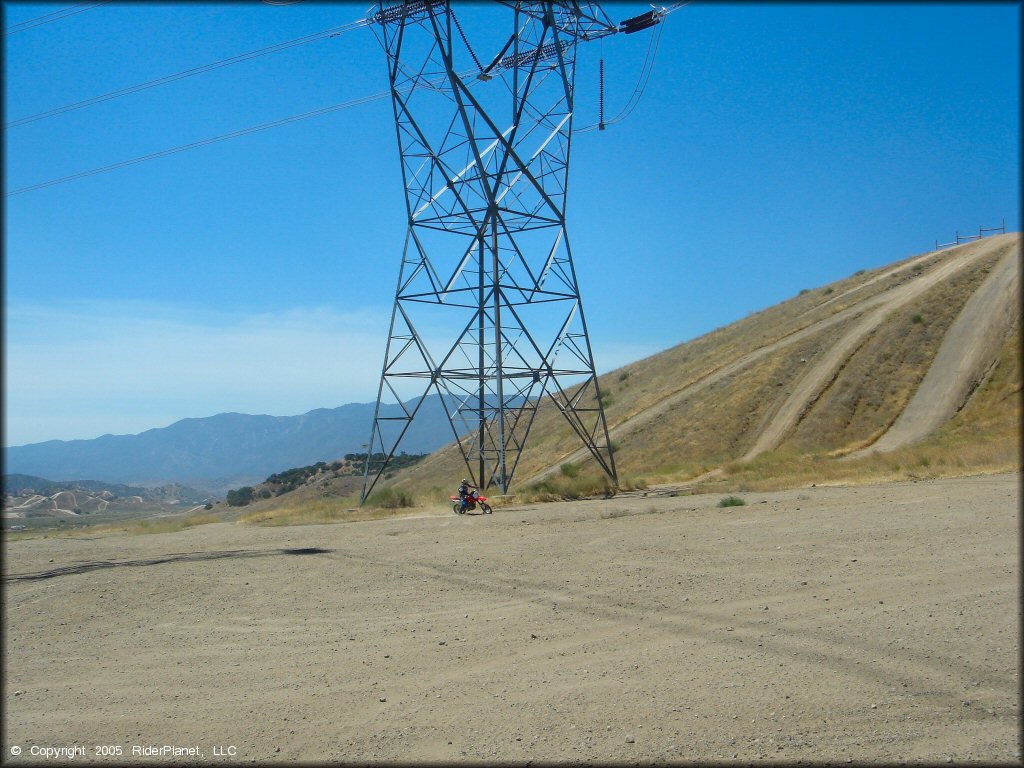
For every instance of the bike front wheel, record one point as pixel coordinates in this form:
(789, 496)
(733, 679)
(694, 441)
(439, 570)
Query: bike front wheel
(486, 508)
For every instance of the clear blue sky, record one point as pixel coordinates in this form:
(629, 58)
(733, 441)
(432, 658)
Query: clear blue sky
(777, 147)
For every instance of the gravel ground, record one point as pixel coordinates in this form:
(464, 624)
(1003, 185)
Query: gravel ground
(871, 623)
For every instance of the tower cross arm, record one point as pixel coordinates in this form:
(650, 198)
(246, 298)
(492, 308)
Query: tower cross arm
(588, 20)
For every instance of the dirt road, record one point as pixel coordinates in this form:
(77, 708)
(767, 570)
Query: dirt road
(811, 384)
(965, 357)
(864, 623)
(871, 312)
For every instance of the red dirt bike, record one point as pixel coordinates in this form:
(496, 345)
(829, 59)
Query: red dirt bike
(472, 499)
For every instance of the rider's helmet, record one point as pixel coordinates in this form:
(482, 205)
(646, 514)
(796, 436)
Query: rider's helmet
(465, 481)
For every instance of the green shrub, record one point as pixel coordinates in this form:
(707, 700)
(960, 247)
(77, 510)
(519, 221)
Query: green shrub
(570, 470)
(917, 319)
(561, 488)
(241, 497)
(390, 498)
(732, 501)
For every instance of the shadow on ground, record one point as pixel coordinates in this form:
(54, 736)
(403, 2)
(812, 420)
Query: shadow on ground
(96, 565)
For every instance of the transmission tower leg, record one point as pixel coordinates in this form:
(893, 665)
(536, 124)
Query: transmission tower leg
(486, 250)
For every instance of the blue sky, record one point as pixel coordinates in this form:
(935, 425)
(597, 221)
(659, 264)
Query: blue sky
(776, 147)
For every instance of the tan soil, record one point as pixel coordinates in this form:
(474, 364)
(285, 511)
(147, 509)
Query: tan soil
(812, 383)
(967, 354)
(871, 623)
(866, 316)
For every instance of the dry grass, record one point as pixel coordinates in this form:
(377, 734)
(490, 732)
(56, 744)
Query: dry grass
(42, 533)
(983, 438)
(718, 423)
(167, 524)
(390, 498)
(384, 503)
(880, 377)
(574, 485)
(312, 513)
(777, 471)
(711, 429)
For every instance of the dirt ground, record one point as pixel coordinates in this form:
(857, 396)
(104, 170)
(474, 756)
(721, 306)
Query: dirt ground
(872, 623)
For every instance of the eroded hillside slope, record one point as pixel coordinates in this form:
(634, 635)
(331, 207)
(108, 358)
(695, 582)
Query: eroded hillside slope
(821, 376)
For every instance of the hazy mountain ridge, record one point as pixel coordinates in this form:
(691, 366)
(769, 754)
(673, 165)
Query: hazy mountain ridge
(223, 451)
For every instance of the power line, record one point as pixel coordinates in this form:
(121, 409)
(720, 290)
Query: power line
(645, 74)
(276, 48)
(638, 91)
(223, 137)
(202, 143)
(38, 21)
(676, 6)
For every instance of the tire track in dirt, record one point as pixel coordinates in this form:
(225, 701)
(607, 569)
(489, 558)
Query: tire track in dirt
(545, 636)
(911, 263)
(654, 412)
(882, 304)
(789, 639)
(813, 382)
(963, 360)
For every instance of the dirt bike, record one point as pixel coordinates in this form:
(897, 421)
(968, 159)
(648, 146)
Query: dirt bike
(471, 501)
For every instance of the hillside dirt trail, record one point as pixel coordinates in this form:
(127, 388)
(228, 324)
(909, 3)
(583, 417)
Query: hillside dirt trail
(879, 306)
(963, 360)
(809, 387)
(924, 258)
(870, 623)
(657, 410)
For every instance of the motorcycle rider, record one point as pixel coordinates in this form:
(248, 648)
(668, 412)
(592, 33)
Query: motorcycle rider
(464, 492)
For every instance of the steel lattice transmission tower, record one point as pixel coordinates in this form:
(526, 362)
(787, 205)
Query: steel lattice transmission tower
(487, 312)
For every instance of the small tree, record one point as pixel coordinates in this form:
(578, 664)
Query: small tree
(241, 497)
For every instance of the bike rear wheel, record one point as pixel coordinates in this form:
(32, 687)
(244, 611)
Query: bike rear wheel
(457, 508)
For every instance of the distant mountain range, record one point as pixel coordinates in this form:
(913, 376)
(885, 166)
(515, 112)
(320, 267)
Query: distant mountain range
(226, 450)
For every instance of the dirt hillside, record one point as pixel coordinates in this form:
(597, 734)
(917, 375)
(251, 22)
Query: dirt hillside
(967, 354)
(825, 374)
